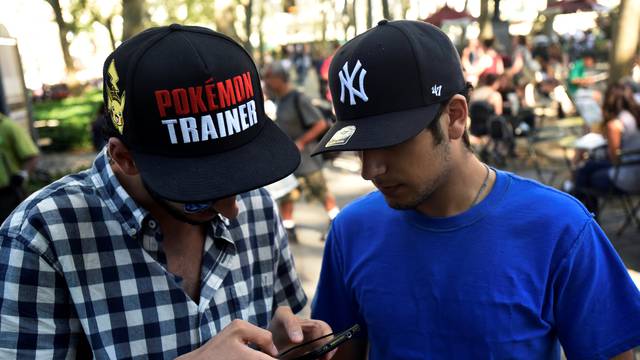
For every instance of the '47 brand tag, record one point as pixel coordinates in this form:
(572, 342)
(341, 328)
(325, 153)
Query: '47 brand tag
(342, 136)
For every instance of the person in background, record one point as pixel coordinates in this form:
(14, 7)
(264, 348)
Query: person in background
(97, 129)
(18, 159)
(523, 67)
(621, 128)
(470, 59)
(324, 73)
(167, 247)
(487, 91)
(453, 259)
(301, 62)
(578, 78)
(299, 119)
(490, 60)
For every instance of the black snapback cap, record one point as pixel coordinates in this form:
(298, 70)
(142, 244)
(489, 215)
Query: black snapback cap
(188, 104)
(387, 84)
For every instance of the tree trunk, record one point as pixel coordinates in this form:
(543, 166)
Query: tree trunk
(385, 10)
(548, 22)
(63, 29)
(261, 33)
(225, 20)
(109, 25)
(324, 25)
(248, 14)
(351, 14)
(133, 17)
(486, 30)
(369, 14)
(625, 40)
(404, 5)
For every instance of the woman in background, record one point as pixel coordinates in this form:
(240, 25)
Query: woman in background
(621, 128)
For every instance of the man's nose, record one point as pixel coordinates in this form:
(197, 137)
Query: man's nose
(373, 164)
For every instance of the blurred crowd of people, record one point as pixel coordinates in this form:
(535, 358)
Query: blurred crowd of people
(560, 75)
(304, 118)
(563, 75)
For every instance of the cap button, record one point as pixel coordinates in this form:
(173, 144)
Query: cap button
(382, 22)
(175, 27)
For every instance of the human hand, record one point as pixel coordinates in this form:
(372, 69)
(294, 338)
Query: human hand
(299, 145)
(232, 343)
(289, 330)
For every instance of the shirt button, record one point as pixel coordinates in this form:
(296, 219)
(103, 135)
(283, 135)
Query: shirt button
(132, 232)
(152, 224)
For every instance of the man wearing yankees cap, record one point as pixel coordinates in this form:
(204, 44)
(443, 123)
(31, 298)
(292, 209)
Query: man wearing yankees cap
(453, 259)
(163, 248)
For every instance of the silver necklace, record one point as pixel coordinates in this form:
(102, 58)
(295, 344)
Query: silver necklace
(484, 185)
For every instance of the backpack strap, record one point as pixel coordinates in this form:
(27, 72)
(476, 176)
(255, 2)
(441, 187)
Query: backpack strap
(296, 102)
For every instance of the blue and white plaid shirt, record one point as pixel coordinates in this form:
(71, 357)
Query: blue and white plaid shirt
(81, 257)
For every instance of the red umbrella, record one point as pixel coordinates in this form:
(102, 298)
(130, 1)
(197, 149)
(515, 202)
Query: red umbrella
(447, 13)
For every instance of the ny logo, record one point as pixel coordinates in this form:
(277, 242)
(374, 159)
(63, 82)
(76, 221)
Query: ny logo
(435, 89)
(346, 80)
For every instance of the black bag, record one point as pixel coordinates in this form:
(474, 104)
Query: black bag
(327, 116)
(480, 113)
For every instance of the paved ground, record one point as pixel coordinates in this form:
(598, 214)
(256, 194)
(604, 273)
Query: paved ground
(346, 184)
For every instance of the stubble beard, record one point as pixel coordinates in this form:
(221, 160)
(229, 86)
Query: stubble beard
(425, 192)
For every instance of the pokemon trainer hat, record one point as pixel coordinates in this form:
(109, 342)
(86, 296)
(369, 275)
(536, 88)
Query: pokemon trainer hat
(187, 102)
(387, 84)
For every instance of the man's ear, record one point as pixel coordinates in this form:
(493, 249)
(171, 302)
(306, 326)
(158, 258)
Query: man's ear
(458, 112)
(122, 157)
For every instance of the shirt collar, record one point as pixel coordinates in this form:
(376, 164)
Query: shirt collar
(115, 196)
(133, 216)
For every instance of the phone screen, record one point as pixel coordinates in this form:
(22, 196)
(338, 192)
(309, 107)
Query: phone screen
(315, 348)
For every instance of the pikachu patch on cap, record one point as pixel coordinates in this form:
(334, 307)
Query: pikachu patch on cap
(115, 100)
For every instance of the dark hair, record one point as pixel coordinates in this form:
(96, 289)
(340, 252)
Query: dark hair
(276, 69)
(488, 79)
(107, 128)
(589, 54)
(488, 42)
(617, 98)
(435, 128)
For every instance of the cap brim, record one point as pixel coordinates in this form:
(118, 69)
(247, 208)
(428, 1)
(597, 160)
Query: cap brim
(379, 131)
(269, 157)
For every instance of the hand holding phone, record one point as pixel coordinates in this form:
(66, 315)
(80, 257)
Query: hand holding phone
(315, 348)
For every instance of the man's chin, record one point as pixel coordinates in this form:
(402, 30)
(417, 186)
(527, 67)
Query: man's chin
(398, 204)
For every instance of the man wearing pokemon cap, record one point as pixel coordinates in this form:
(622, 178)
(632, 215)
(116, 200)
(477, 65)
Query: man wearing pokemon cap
(452, 259)
(163, 248)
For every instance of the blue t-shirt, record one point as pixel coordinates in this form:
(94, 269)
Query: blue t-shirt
(507, 279)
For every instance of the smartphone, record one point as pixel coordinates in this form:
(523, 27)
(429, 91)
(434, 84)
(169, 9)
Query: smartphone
(317, 347)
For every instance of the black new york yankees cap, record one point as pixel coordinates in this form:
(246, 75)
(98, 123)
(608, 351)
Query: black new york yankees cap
(387, 84)
(187, 102)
